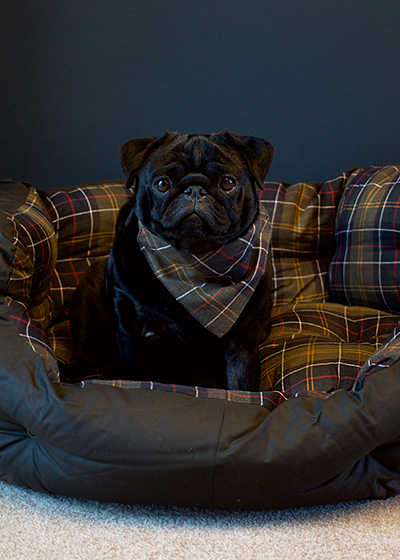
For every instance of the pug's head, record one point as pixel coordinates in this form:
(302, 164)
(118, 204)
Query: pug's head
(196, 191)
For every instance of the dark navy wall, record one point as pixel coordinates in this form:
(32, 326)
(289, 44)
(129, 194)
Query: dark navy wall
(318, 79)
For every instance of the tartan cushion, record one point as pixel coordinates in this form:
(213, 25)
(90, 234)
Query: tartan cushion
(303, 222)
(84, 219)
(365, 267)
(35, 257)
(320, 347)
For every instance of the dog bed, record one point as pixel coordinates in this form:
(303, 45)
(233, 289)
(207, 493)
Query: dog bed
(324, 426)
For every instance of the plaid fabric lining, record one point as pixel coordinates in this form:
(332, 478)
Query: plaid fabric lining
(366, 264)
(269, 399)
(242, 261)
(302, 243)
(320, 346)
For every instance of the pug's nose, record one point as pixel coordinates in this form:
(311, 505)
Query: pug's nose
(195, 192)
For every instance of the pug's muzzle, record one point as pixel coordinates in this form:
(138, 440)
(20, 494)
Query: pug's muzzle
(195, 211)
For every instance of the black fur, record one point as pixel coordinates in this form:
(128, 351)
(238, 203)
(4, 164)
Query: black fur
(125, 323)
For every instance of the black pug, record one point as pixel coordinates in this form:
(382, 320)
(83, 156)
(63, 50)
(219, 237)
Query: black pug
(185, 296)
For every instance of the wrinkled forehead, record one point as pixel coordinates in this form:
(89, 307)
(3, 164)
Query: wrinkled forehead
(195, 153)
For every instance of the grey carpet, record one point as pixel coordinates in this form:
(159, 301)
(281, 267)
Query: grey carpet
(36, 526)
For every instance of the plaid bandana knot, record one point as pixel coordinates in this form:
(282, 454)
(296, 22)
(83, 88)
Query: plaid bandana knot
(213, 287)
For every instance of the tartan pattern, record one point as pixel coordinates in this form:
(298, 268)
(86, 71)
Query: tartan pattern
(365, 267)
(84, 218)
(302, 244)
(35, 257)
(215, 306)
(320, 347)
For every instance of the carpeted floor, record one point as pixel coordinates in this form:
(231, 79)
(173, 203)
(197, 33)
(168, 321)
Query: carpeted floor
(35, 526)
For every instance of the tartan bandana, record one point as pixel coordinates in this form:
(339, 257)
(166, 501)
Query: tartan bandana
(214, 287)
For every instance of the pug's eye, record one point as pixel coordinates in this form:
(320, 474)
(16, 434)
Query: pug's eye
(163, 184)
(227, 183)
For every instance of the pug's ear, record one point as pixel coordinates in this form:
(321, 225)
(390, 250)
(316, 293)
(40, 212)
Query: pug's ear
(260, 155)
(257, 152)
(131, 153)
(134, 154)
